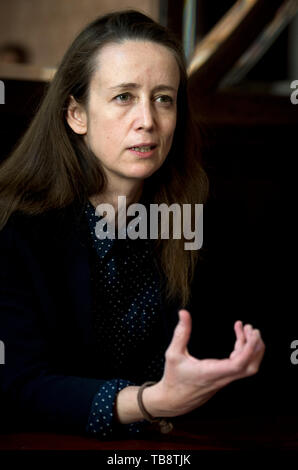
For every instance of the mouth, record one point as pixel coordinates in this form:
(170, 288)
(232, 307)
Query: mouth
(143, 150)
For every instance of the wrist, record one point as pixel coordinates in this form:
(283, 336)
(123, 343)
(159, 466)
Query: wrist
(154, 400)
(126, 406)
(157, 419)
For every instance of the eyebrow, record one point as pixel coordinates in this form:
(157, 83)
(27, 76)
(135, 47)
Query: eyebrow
(125, 85)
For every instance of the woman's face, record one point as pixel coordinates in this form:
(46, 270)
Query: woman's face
(131, 113)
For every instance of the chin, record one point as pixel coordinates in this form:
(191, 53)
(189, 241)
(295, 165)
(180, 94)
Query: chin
(142, 176)
(145, 172)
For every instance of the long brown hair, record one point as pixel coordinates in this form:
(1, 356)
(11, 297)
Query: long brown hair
(52, 167)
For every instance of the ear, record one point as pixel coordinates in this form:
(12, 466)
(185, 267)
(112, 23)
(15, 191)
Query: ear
(76, 117)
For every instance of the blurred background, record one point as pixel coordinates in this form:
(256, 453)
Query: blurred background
(242, 60)
(45, 28)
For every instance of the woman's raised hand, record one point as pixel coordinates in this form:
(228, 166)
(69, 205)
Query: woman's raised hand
(188, 383)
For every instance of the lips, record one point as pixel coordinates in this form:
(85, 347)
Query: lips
(143, 150)
(152, 145)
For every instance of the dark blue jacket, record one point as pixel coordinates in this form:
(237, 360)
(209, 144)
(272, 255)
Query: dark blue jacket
(50, 377)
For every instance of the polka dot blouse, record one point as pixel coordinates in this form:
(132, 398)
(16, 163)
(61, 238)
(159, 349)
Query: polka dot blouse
(127, 322)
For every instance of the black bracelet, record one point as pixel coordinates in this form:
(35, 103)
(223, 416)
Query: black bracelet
(165, 426)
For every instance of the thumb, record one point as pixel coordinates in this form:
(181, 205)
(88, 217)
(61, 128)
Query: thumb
(181, 333)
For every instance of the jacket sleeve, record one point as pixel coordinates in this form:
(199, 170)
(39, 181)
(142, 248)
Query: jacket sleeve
(101, 422)
(34, 393)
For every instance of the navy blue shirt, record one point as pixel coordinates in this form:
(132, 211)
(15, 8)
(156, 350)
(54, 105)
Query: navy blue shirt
(127, 321)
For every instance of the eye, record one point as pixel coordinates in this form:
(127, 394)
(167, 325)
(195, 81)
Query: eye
(165, 99)
(123, 98)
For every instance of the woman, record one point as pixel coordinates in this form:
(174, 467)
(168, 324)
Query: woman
(86, 321)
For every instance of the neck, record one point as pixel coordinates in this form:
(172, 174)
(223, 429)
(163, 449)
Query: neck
(110, 195)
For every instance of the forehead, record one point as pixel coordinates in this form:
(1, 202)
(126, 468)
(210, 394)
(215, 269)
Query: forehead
(141, 62)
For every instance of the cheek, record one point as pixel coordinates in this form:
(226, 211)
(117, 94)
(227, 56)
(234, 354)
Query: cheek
(169, 129)
(170, 124)
(102, 133)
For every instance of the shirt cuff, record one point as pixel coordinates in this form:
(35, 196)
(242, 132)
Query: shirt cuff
(101, 421)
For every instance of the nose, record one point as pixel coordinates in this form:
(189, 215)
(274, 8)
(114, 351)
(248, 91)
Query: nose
(145, 118)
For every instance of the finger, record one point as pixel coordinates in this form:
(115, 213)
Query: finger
(246, 362)
(254, 365)
(244, 351)
(238, 327)
(240, 338)
(249, 351)
(259, 348)
(254, 334)
(247, 330)
(181, 333)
